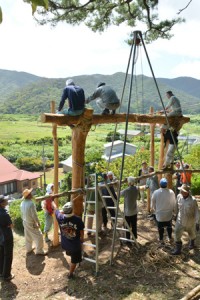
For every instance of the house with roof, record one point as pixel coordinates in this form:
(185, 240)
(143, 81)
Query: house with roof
(130, 133)
(117, 150)
(67, 164)
(14, 180)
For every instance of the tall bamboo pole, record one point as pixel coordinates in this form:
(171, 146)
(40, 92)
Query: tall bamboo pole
(56, 163)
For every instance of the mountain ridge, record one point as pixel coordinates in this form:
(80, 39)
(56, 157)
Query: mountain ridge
(22, 92)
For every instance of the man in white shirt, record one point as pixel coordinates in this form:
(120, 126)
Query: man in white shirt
(163, 204)
(31, 225)
(187, 218)
(173, 107)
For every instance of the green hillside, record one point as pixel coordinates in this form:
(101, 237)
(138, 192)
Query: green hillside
(11, 81)
(28, 94)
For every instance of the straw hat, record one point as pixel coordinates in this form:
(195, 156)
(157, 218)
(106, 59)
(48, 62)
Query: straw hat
(184, 188)
(27, 192)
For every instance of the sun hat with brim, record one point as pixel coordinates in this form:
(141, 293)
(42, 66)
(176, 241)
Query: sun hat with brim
(3, 198)
(184, 188)
(26, 192)
(67, 210)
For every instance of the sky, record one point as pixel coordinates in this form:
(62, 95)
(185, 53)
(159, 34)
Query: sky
(66, 51)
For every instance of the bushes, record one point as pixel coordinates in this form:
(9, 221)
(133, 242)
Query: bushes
(111, 135)
(195, 184)
(32, 164)
(15, 214)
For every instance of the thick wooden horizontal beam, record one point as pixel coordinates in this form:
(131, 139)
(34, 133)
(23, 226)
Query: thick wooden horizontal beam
(63, 120)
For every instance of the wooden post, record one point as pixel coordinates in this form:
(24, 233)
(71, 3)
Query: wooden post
(56, 163)
(152, 130)
(41, 184)
(161, 157)
(79, 135)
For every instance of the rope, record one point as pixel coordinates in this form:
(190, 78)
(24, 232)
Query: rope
(122, 96)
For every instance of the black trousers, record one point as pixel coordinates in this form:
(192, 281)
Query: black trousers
(6, 258)
(161, 226)
(132, 222)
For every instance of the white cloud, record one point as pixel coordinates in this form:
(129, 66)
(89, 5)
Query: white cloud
(67, 51)
(192, 68)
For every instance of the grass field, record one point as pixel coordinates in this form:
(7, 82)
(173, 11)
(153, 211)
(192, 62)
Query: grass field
(23, 127)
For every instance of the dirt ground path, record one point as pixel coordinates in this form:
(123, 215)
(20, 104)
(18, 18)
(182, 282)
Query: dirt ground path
(149, 272)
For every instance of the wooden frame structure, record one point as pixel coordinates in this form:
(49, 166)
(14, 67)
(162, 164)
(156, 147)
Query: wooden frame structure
(81, 126)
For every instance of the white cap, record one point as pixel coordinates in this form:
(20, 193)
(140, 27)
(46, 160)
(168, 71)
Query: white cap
(110, 173)
(69, 82)
(131, 180)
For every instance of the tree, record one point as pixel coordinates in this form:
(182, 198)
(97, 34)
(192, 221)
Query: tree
(98, 15)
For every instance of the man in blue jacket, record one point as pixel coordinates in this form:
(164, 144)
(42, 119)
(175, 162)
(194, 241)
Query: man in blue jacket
(76, 99)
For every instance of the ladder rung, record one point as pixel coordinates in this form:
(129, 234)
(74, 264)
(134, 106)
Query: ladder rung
(118, 219)
(91, 245)
(122, 229)
(89, 230)
(90, 202)
(89, 259)
(124, 239)
(91, 216)
(111, 207)
(106, 196)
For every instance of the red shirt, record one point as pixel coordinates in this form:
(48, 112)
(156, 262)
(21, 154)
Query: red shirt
(186, 177)
(49, 205)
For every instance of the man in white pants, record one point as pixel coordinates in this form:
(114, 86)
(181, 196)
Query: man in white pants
(31, 225)
(187, 218)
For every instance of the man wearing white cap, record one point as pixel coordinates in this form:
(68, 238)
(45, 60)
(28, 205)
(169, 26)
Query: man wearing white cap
(48, 206)
(187, 218)
(76, 99)
(130, 195)
(31, 224)
(72, 234)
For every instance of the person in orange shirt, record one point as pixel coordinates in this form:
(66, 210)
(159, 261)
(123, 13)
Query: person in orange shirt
(186, 176)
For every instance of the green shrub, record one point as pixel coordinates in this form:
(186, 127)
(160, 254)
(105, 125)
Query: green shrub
(41, 219)
(111, 136)
(15, 214)
(195, 187)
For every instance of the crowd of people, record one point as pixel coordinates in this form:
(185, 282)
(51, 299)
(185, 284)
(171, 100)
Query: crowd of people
(166, 205)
